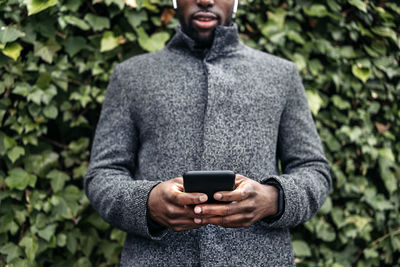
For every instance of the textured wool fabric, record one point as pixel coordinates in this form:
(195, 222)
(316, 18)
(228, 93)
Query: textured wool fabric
(182, 108)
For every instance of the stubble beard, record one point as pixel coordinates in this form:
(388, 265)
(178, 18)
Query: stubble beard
(203, 41)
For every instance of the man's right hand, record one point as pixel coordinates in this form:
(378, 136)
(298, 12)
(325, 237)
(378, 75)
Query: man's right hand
(168, 205)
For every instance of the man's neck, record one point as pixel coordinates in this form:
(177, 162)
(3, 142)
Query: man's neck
(201, 44)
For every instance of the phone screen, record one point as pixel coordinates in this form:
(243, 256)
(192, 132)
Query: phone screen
(208, 182)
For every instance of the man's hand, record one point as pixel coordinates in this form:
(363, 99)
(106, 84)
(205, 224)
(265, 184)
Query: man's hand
(167, 205)
(250, 201)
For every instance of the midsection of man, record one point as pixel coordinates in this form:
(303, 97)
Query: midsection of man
(206, 102)
(218, 119)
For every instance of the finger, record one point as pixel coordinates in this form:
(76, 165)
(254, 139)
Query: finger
(178, 180)
(189, 213)
(172, 211)
(181, 198)
(239, 194)
(221, 209)
(239, 179)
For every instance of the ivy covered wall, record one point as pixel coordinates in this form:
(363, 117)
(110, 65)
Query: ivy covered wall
(55, 61)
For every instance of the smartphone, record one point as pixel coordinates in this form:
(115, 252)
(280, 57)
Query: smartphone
(208, 182)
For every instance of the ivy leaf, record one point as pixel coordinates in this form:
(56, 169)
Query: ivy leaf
(135, 18)
(40, 164)
(35, 6)
(347, 52)
(353, 133)
(31, 246)
(154, 42)
(385, 32)
(58, 179)
(327, 207)
(386, 164)
(50, 112)
(314, 101)
(325, 231)
(44, 80)
(108, 41)
(97, 222)
(340, 102)
(74, 44)
(11, 250)
(295, 36)
(9, 142)
(12, 50)
(15, 153)
(316, 10)
(301, 249)
(19, 179)
(79, 145)
(370, 253)
(46, 51)
(139, 3)
(72, 242)
(97, 23)
(10, 34)
(277, 17)
(48, 94)
(108, 249)
(21, 89)
(83, 96)
(119, 3)
(47, 232)
(387, 153)
(2, 114)
(89, 244)
(358, 221)
(118, 235)
(359, 4)
(361, 73)
(300, 61)
(80, 23)
(80, 171)
(83, 262)
(7, 224)
(61, 240)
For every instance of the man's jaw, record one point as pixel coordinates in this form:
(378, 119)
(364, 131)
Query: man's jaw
(201, 26)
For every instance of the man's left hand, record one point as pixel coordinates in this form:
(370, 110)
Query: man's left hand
(249, 202)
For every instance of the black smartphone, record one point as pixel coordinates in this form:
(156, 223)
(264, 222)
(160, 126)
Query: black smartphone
(208, 182)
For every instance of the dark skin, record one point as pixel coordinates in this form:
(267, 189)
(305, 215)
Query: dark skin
(250, 201)
(188, 9)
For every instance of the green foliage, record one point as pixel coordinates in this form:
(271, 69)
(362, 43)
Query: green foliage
(55, 61)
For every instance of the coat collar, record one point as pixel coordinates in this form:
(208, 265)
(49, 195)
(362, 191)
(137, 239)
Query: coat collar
(226, 40)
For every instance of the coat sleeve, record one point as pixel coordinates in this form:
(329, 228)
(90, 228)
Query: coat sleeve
(109, 183)
(305, 177)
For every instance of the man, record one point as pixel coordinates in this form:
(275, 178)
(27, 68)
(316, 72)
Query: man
(206, 102)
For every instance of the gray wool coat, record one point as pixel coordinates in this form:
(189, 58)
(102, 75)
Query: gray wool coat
(228, 107)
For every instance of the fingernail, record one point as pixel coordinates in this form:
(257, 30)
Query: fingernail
(197, 220)
(218, 196)
(197, 210)
(203, 198)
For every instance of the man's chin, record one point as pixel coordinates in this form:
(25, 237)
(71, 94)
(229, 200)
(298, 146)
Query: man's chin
(204, 39)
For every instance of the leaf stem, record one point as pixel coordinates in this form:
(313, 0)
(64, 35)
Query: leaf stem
(55, 143)
(375, 242)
